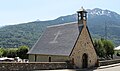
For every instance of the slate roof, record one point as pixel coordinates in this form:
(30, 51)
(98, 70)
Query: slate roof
(57, 40)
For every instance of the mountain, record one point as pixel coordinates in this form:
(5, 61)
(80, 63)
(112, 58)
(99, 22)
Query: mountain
(104, 23)
(100, 22)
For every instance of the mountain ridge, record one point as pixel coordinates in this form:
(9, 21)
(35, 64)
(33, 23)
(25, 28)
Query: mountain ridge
(28, 33)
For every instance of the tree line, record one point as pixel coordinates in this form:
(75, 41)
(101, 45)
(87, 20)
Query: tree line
(104, 49)
(15, 52)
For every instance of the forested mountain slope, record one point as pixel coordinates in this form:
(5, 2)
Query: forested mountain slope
(28, 33)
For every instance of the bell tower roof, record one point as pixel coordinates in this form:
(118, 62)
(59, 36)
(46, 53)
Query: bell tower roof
(82, 10)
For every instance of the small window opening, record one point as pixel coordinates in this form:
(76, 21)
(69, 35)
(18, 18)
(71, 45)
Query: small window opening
(35, 58)
(49, 59)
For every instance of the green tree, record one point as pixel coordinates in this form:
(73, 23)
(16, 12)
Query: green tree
(1, 52)
(11, 52)
(5, 52)
(99, 48)
(22, 52)
(109, 47)
(104, 48)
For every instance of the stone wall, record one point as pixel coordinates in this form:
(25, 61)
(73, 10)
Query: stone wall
(109, 62)
(31, 66)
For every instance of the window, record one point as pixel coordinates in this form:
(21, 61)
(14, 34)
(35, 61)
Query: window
(49, 59)
(35, 58)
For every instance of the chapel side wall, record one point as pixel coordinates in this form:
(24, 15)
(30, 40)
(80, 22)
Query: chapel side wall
(54, 58)
(60, 58)
(31, 58)
(42, 58)
(84, 45)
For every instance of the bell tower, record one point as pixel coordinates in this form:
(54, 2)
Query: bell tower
(82, 16)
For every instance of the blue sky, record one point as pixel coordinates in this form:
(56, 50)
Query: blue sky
(22, 11)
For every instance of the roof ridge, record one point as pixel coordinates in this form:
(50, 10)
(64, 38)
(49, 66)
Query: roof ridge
(60, 24)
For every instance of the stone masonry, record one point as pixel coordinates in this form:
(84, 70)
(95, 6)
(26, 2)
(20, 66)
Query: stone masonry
(11, 66)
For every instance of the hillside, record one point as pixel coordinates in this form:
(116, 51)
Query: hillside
(28, 33)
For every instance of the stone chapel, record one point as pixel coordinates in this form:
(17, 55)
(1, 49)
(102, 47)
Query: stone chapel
(66, 42)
